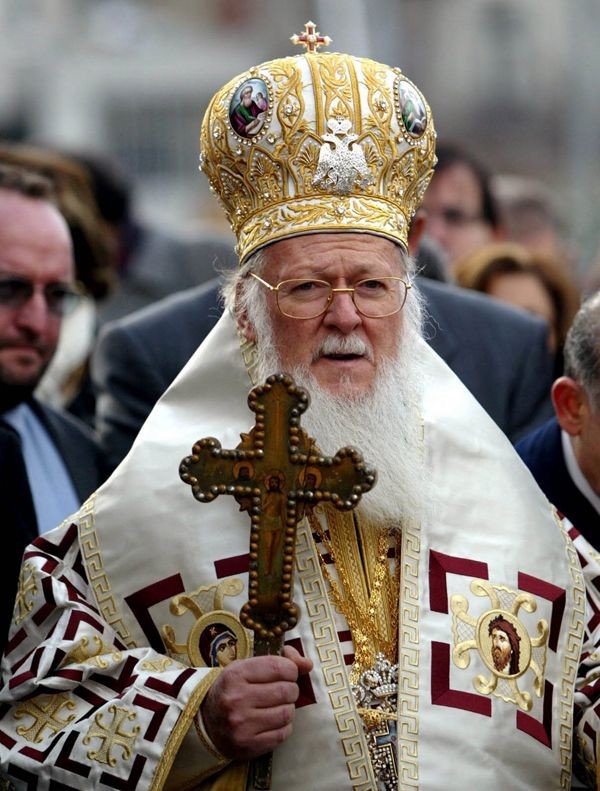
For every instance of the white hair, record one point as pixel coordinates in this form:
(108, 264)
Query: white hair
(384, 423)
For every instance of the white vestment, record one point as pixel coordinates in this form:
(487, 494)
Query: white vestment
(115, 712)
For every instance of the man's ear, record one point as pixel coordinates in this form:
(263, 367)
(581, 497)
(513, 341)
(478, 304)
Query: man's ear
(569, 400)
(415, 231)
(244, 324)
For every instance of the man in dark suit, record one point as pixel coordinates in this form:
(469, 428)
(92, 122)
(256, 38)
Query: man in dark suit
(564, 454)
(49, 462)
(500, 355)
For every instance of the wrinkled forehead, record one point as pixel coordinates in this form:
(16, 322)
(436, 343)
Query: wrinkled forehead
(351, 255)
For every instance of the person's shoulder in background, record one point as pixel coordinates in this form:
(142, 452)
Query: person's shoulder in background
(138, 356)
(499, 353)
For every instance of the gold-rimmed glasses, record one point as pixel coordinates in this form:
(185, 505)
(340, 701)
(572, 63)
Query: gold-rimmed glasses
(308, 298)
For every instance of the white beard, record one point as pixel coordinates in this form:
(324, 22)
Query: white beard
(384, 424)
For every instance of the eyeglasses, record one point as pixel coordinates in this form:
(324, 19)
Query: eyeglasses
(455, 218)
(61, 298)
(374, 298)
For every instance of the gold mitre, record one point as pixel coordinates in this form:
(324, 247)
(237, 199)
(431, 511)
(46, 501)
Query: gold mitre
(315, 143)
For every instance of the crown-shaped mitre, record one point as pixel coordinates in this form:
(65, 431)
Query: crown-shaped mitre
(318, 142)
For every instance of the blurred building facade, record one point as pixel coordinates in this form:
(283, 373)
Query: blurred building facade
(512, 80)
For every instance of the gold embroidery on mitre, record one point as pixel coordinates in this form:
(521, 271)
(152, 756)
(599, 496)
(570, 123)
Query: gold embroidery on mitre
(27, 587)
(46, 711)
(502, 641)
(333, 126)
(112, 735)
(92, 654)
(217, 636)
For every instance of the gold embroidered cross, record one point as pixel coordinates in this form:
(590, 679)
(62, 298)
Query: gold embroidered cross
(311, 38)
(112, 735)
(275, 474)
(27, 585)
(45, 713)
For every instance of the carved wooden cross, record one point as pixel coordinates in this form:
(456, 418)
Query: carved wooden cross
(311, 38)
(275, 474)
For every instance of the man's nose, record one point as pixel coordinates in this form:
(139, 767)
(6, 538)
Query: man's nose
(34, 314)
(342, 312)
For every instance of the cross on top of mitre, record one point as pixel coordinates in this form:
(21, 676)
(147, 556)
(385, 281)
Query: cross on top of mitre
(311, 38)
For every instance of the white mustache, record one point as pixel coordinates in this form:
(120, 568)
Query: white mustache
(344, 344)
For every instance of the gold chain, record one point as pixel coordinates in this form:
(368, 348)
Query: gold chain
(368, 625)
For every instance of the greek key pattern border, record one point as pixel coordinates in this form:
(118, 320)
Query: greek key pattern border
(408, 658)
(318, 607)
(92, 558)
(573, 647)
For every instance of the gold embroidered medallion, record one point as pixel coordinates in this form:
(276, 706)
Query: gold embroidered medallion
(217, 636)
(502, 642)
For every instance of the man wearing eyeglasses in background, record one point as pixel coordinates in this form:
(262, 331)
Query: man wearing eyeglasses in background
(49, 461)
(461, 211)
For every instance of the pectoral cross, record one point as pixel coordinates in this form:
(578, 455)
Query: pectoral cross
(275, 474)
(311, 38)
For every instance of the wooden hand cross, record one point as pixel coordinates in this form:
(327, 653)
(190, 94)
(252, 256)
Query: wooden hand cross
(275, 474)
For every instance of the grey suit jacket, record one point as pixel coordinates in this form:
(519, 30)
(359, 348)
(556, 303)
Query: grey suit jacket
(161, 264)
(499, 353)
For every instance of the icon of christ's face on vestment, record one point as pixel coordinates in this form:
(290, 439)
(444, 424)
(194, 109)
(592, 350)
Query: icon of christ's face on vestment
(501, 650)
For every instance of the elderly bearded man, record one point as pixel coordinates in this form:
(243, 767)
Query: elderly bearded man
(387, 675)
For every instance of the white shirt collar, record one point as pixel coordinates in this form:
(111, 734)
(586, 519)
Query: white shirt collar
(577, 476)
